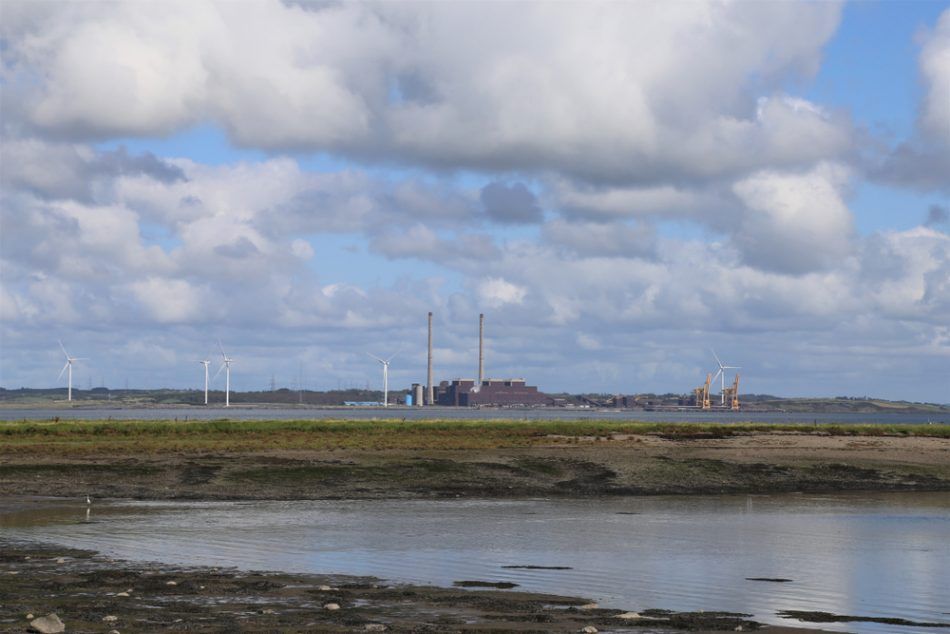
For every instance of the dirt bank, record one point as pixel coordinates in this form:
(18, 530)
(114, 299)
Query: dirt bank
(550, 465)
(90, 593)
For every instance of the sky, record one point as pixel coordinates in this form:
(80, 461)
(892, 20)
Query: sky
(621, 188)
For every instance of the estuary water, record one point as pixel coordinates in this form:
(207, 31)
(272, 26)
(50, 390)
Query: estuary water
(879, 555)
(419, 413)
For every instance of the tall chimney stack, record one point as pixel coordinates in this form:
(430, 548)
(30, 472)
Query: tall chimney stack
(481, 349)
(430, 390)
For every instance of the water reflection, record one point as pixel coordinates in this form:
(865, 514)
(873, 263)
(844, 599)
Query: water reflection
(878, 555)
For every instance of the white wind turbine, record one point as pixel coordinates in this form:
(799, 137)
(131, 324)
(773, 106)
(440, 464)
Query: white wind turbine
(206, 363)
(68, 367)
(385, 364)
(721, 373)
(226, 365)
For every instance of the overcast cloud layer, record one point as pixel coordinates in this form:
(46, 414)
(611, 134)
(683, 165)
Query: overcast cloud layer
(619, 187)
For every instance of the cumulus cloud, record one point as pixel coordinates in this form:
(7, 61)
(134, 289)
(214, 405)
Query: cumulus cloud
(606, 92)
(514, 204)
(923, 161)
(495, 292)
(796, 222)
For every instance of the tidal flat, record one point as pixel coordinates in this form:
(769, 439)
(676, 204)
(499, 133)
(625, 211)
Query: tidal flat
(349, 459)
(398, 460)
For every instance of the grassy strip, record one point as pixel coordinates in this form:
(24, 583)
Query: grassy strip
(125, 437)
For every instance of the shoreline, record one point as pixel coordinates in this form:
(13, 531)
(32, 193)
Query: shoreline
(93, 593)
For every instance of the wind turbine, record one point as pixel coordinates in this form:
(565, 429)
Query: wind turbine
(385, 364)
(206, 363)
(722, 375)
(227, 383)
(69, 366)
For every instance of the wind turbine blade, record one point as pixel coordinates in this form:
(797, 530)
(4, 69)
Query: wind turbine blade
(221, 348)
(62, 371)
(218, 372)
(377, 358)
(63, 348)
(392, 356)
(717, 357)
(716, 376)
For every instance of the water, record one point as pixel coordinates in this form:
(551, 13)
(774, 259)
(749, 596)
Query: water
(870, 555)
(305, 413)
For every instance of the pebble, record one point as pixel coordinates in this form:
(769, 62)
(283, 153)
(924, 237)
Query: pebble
(113, 631)
(201, 587)
(61, 560)
(110, 619)
(324, 588)
(331, 606)
(122, 594)
(588, 606)
(30, 617)
(375, 627)
(267, 611)
(629, 615)
(171, 583)
(49, 624)
(590, 629)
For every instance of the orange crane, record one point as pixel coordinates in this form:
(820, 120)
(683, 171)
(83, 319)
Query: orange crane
(735, 394)
(701, 394)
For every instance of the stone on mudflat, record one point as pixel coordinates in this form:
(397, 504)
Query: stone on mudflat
(375, 627)
(110, 619)
(588, 606)
(121, 594)
(331, 606)
(49, 624)
(590, 629)
(628, 615)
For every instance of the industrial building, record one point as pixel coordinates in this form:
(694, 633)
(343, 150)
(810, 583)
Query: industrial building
(492, 392)
(476, 392)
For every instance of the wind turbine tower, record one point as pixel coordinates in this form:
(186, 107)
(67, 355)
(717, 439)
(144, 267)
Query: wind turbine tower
(385, 364)
(721, 374)
(206, 363)
(69, 369)
(226, 366)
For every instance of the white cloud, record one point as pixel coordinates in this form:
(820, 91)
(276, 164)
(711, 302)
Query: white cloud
(167, 301)
(495, 292)
(603, 92)
(796, 222)
(935, 67)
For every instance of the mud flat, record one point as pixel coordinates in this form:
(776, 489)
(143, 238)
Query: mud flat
(91, 593)
(448, 459)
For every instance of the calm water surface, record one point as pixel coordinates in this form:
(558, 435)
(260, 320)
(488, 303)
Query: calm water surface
(871, 555)
(368, 413)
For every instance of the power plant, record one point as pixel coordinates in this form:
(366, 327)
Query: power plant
(476, 392)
